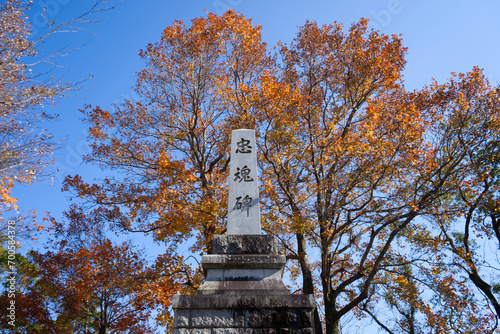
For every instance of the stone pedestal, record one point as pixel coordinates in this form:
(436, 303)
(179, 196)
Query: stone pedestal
(243, 292)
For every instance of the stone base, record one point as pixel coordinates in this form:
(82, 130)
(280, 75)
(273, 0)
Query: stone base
(243, 274)
(244, 244)
(243, 292)
(243, 314)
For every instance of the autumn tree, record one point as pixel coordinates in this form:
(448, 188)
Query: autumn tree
(25, 146)
(94, 285)
(32, 303)
(350, 160)
(471, 214)
(425, 294)
(172, 144)
(462, 228)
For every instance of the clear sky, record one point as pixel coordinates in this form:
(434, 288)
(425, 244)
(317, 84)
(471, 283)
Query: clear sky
(442, 37)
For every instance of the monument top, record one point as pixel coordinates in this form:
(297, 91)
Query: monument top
(243, 215)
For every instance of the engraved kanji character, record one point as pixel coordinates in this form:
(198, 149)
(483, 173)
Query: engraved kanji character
(243, 174)
(243, 203)
(243, 146)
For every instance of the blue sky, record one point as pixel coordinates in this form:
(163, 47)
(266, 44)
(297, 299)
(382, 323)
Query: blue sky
(441, 36)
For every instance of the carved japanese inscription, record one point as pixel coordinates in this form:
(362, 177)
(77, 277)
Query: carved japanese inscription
(243, 206)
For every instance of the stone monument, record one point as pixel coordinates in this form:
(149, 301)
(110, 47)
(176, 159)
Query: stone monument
(243, 291)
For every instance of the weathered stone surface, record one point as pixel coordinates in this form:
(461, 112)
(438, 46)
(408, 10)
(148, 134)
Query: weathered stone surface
(243, 274)
(243, 331)
(245, 313)
(292, 331)
(192, 331)
(181, 318)
(258, 331)
(243, 261)
(227, 288)
(273, 318)
(306, 318)
(229, 331)
(244, 301)
(257, 274)
(309, 330)
(243, 215)
(261, 331)
(243, 244)
(214, 275)
(211, 318)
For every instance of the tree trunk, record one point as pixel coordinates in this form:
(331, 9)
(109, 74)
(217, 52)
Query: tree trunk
(103, 323)
(307, 279)
(486, 289)
(332, 317)
(333, 326)
(208, 234)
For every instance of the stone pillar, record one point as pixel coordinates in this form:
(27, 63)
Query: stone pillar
(243, 211)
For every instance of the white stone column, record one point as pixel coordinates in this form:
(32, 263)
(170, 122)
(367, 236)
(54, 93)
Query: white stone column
(243, 203)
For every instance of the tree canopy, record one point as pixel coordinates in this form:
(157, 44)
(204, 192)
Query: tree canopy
(377, 195)
(26, 86)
